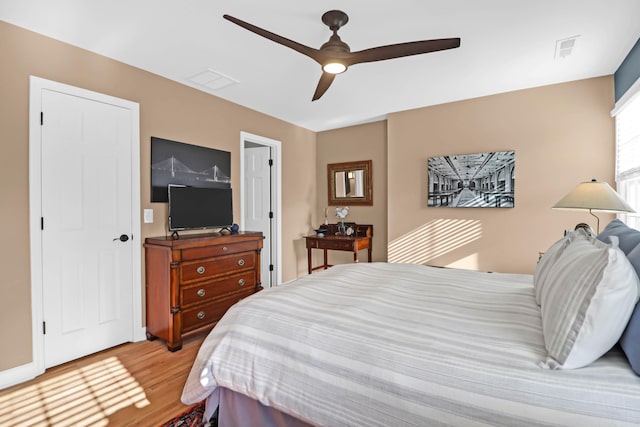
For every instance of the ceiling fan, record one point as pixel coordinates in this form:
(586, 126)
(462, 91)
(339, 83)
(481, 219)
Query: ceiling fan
(335, 56)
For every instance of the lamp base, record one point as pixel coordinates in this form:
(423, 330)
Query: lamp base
(597, 221)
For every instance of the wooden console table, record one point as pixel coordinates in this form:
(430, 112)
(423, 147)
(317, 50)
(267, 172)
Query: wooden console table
(361, 239)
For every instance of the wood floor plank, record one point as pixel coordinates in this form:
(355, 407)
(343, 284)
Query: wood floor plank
(134, 384)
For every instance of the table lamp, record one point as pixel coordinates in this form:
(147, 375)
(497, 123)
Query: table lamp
(594, 196)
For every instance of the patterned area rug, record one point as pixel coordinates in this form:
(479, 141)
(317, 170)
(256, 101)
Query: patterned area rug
(192, 417)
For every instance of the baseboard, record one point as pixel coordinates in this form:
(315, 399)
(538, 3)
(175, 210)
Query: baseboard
(17, 375)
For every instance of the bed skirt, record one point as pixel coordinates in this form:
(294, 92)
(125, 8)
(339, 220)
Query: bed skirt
(237, 410)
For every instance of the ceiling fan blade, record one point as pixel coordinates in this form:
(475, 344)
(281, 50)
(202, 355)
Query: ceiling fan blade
(325, 81)
(401, 49)
(305, 50)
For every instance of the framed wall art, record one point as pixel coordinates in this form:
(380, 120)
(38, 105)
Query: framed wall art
(178, 163)
(479, 180)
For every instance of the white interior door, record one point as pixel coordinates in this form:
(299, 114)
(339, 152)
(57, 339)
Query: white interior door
(86, 206)
(257, 202)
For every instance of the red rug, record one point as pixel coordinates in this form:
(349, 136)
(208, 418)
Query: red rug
(192, 417)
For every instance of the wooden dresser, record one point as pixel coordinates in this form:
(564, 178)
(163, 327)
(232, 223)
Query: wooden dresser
(193, 280)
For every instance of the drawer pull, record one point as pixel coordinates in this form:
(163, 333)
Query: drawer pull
(200, 315)
(200, 270)
(241, 282)
(240, 262)
(224, 249)
(201, 292)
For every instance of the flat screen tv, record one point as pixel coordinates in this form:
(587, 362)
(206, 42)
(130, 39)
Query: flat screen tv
(195, 208)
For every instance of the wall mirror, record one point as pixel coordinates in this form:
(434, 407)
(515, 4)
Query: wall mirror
(350, 183)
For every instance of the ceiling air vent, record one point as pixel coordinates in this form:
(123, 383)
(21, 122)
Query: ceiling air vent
(564, 47)
(212, 79)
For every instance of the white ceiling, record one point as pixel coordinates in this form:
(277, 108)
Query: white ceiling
(506, 45)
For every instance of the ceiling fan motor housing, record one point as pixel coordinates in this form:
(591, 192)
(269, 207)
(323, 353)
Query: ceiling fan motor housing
(335, 44)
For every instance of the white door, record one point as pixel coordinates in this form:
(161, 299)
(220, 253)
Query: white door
(86, 206)
(257, 202)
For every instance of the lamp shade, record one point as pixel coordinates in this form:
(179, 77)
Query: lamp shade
(594, 195)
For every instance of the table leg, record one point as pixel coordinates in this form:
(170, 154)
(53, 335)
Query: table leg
(355, 256)
(369, 251)
(309, 260)
(326, 260)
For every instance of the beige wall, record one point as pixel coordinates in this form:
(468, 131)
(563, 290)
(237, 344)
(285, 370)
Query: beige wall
(168, 110)
(350, 144)
(562, 135)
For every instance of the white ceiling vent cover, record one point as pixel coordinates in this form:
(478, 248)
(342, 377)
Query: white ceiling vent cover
(212, 79)
(564, 47)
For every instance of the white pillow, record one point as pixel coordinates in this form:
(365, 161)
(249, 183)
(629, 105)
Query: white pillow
(589, 295)
(547, 260)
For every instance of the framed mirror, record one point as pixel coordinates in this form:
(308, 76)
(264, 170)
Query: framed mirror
(350, 183)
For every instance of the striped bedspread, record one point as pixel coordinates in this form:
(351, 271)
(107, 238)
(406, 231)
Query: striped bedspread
(377, 344)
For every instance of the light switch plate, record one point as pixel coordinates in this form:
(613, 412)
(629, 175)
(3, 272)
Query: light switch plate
(148, 216)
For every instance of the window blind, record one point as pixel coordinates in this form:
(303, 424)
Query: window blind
(628, 158)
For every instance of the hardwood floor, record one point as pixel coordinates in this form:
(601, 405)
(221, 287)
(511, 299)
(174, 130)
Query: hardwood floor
(135, 384)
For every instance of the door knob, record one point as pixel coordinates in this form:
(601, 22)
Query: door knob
(122, 238)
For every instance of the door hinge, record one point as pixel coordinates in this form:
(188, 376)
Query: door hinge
(270, 267)
(41, 118)
(41, 223)
(270, 162)
(270, 215)
(44, 328)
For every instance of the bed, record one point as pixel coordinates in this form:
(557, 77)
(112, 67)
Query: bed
(385, 344)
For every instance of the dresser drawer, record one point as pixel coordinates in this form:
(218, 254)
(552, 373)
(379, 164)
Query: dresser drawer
(209, 268)
(218, 250)
(337, 244)
(204, 314)
(204, 291)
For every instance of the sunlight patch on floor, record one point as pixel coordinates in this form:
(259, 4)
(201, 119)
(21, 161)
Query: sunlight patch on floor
(85, 396)
(433, 239)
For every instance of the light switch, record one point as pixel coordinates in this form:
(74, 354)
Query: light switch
(148, 216)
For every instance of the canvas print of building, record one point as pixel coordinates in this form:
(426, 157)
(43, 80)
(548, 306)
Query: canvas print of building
(185, 164)
(482, 180)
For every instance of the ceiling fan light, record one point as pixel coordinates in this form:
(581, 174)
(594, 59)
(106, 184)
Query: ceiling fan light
(334, 68)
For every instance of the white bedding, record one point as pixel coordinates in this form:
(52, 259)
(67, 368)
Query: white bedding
(376, 344)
